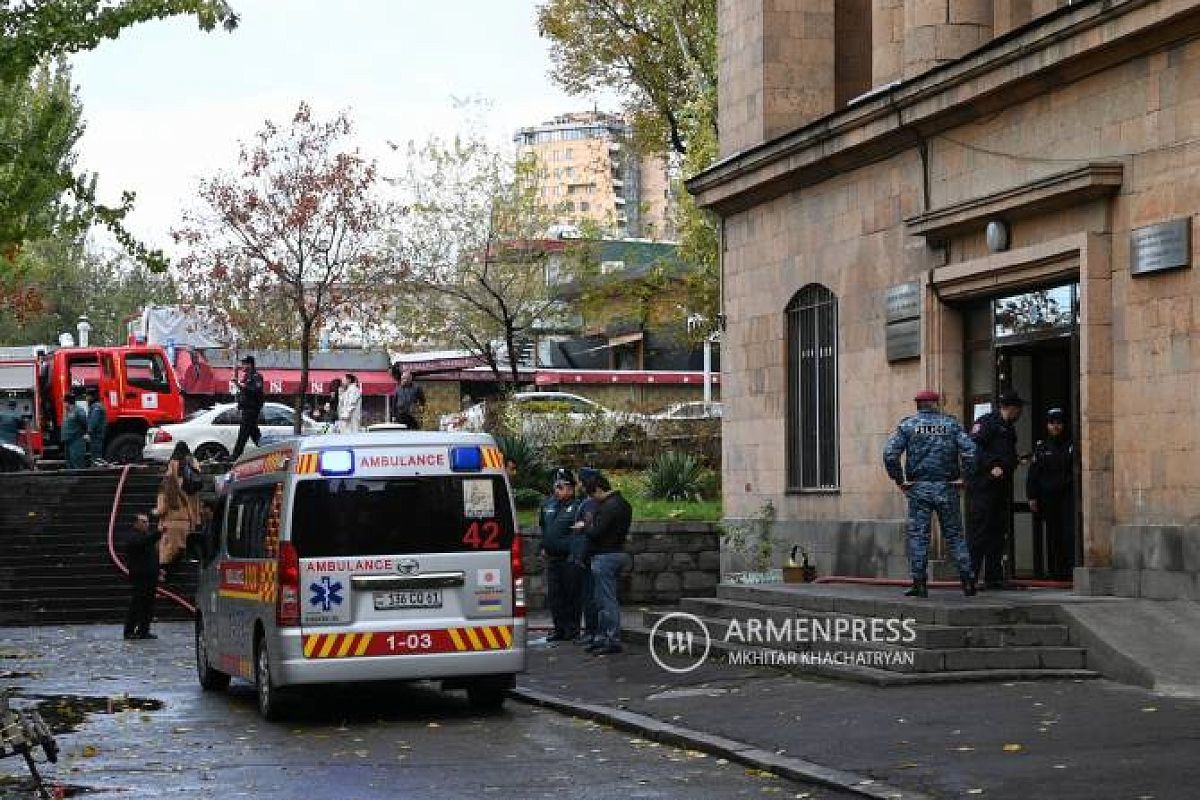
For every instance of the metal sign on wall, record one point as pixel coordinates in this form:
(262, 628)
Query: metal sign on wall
(1155, 248)
(903, 316)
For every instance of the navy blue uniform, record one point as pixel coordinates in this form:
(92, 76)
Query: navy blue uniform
(936, 451)
(97, 426)
(11, 425)
(1051, 484)
(990, 497)
(564, 575)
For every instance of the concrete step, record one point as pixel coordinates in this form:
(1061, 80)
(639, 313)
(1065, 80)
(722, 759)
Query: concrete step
(943, 607)
(867, 674)
(928, 635)
(896, 656)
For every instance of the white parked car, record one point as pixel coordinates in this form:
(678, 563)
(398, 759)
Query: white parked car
(693, 409)
(557, 416)
(212, 432)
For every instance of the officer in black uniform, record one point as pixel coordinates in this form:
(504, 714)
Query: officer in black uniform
(989, 491)
(1050, 487)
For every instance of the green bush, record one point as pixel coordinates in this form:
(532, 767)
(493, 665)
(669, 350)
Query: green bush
(674, 476)
(527, 498)
(532, 472)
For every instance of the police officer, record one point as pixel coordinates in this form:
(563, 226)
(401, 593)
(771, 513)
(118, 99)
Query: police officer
(74, 429)
(564, 579)
(97, 425)
(250, 402)
(936, 451)
(1050, 487)
(989, 490)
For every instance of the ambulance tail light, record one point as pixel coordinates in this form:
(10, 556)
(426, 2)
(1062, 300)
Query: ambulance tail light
(287, 612)
(518, 578)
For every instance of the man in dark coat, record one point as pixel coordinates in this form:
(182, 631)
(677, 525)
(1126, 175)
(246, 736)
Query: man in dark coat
(408, 402)
(250, 402)
(564, 581)
(989, 491)
(606, 546)
(140, 548)
(11, 423)
(1050, 487)
(74, 429)
(97, 426)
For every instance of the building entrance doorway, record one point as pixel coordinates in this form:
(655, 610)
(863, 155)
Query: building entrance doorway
(1029, 343)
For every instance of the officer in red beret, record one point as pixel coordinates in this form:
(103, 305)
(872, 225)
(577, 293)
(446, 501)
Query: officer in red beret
(926, 457)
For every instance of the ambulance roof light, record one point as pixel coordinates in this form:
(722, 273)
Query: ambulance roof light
(466, 459)
(337, 462)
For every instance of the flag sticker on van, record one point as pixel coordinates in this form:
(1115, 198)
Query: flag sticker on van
(488, 579)
(479, 499)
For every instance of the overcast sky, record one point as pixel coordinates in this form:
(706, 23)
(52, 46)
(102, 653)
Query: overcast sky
(167, 104)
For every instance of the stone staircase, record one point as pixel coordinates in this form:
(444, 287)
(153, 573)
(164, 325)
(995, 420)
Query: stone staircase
(946, 638)
(55, 565)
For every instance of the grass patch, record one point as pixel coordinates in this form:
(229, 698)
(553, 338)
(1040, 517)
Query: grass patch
(646, 510)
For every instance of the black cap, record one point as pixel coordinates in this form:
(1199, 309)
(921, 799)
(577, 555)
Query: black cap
(563, 475)
(1056, 415)
(1011, 398)
(587, 472)
(248, 360)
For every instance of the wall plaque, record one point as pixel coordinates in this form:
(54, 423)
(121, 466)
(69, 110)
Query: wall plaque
(1167, 245)
(903, 302)
(903, 340)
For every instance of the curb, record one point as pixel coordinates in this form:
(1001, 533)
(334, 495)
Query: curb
(795, 769)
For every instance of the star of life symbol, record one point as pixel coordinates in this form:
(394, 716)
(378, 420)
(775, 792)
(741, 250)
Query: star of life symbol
(326, 594)
(679, 642)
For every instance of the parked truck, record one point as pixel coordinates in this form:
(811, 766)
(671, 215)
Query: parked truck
(137, 386)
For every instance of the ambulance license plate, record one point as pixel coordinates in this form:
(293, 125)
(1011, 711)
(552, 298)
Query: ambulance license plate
(430, 598)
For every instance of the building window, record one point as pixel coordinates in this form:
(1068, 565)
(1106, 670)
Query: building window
(812, 431)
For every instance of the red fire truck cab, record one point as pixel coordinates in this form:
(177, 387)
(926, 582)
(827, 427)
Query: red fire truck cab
(137, 386)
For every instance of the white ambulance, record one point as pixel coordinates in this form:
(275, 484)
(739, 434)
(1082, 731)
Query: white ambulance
(382, 556)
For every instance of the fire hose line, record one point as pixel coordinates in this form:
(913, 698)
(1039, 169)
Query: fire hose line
(112, 550)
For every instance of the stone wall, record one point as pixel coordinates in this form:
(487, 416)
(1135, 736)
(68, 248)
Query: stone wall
(1158, 562)
(670, 560)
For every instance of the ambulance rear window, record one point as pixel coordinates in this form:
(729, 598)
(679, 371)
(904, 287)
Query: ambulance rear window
(401, 516)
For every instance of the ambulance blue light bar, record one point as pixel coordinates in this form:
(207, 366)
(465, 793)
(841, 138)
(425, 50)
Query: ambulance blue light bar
(337, 462)
(466, 459)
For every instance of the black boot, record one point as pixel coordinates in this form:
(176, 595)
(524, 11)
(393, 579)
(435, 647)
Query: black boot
(968, 585)
(918, 589)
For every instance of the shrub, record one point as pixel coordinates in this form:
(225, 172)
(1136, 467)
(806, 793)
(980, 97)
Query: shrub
(527, 498)
(674, 476)
(532, 472)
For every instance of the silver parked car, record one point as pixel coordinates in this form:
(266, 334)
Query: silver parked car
(547, 417)
(211, 433)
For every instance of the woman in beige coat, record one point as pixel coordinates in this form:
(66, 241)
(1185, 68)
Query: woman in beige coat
(178, 510)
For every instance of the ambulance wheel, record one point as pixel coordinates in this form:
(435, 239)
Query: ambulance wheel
(272, 701)
(485, 697)
(211, 680)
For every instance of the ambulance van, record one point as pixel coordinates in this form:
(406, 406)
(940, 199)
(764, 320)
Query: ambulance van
(384, 556)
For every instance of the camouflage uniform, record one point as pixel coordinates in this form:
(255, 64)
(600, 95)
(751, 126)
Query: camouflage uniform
(932, 444)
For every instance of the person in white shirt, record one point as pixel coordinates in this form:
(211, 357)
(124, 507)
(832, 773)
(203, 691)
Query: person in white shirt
(350, 406)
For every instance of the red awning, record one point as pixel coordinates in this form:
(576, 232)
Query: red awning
(287, 381)
(563, 377)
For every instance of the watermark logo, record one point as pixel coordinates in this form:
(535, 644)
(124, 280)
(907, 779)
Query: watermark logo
(679, 642)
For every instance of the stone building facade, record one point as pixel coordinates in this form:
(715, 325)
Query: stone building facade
(1003, 200)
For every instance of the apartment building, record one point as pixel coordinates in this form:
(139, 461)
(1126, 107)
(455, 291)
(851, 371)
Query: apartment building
(590, 174)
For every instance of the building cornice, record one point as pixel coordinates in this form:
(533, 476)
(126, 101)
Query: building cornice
(1050, 193)
(1053, 51)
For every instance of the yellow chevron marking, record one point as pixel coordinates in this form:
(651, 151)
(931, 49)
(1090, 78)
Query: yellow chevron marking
(505, 635)
(475, 643)
(330, 641)
(457, 639)
(491, 638)
(310, 643)
(347, 643)
(363, 642)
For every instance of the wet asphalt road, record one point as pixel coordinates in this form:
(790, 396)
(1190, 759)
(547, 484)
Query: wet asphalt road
(374, 742)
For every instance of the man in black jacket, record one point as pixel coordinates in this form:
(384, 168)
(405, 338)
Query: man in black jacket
(250, 402)
(990, 489)
(1050, 487)
(606, 546)
(564, 579)
(140, 547)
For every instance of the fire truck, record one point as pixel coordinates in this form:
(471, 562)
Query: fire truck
(137, 386)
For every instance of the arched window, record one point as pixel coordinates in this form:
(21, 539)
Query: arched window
(812, 431)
